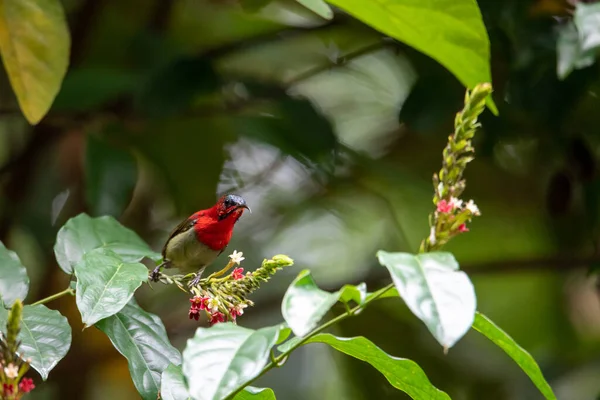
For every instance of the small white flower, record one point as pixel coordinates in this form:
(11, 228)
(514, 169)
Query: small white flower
(471, 206)
(239, 309)
(456, 203)
(212, 305)
(11, 371)
(432, 236)
(236, 257)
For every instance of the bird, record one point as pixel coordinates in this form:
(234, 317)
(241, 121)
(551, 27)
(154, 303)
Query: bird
(199, 239)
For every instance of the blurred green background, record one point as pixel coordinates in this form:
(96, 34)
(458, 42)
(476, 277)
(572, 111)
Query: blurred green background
(331, 132)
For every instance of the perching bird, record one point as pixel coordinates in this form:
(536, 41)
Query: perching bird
(199, 239)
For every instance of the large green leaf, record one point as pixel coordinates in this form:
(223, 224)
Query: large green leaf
(319, 7)
(569, 54)
(45, 337)
(401, 373)
(105, 284)
(172, 385)
(142, 339)
(173, 87)
(523, 359)
(254, 393)
(295, 126)
(586, 20)
(34, 42)
(82, 234)
(304, 304)
(578, 40)
(111, 175)
(220, 359)
(14, 282)
(172, 157)
(449, 31)
(87, 88)
(435, 290)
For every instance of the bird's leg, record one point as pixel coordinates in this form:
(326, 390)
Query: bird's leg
(155, 274)
(196, 280)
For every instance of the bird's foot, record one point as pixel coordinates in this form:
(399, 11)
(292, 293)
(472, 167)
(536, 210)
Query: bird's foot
(195, 281)
(155, 274)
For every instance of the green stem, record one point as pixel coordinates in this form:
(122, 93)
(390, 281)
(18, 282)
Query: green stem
(278, 360)
(55, 296)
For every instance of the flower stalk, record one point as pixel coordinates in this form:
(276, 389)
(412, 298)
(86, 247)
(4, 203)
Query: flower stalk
(224, 298)
(452, 214)
(12, 366)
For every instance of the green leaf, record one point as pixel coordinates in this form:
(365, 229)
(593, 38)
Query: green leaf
(173, 88)
(142, 339)
(34, 43)
(284, 333)
(82, 234)
(295, 126)
(586, 20)
(220, 359)
(252, 6)
(87, 88)
(435, 291)
(45, 337)
(105, 284)
(401, 373)
(304, 304)
(450, 31)
(173, 386)
(171, 157)
(569, 53)
(357, 294)
(111, 175)
(319, 7)
(14, 282)
(523, 359)
(254, 393)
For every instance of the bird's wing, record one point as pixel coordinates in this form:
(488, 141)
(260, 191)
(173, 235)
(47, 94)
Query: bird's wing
(183, 226)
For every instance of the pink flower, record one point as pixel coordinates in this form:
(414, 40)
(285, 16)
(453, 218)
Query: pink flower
(26, 385)
(216, 317)
(198, 302)
(237, 310)
(444, 207)
(7, 389)
(463, 228)
(238, 274)
(194, 313)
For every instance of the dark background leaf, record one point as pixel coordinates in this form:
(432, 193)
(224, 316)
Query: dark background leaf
(111, 175)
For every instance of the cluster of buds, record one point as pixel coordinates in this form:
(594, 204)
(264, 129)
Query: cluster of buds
(452, 214)
(224, 299)
(12, 366)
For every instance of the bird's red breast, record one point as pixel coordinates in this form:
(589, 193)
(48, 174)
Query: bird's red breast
(213, 232)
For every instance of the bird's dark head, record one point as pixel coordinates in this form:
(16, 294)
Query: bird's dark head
(231, 205)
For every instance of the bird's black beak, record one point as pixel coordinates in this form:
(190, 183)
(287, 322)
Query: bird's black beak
(246, 207)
